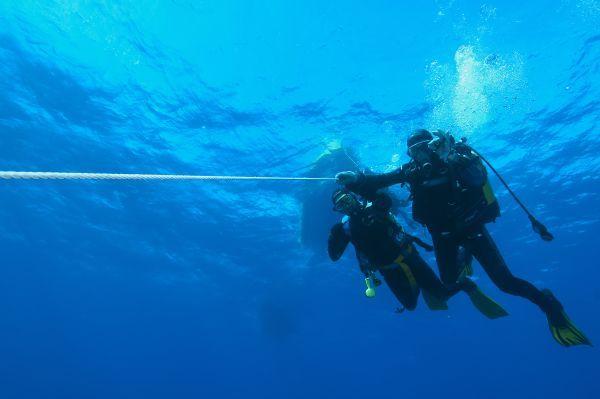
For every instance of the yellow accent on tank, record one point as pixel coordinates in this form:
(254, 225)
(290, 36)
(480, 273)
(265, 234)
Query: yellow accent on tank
(488, 193)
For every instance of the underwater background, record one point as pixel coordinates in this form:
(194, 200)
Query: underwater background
(223, 289)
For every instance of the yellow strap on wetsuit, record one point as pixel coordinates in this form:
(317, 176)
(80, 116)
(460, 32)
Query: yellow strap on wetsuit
(406, 269)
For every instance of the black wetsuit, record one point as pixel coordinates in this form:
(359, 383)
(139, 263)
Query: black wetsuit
(381, 244)
(450, 199)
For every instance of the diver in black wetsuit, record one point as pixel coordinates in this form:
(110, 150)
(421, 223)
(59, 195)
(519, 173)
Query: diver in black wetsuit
(382, 245)
(316, 216)
(454, 200)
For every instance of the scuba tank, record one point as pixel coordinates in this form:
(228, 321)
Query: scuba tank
(474, 199)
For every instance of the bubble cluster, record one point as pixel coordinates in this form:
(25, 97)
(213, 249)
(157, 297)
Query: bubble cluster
(470, 93)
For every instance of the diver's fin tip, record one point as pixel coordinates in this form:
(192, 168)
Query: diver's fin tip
(486, 305)
(569, 335)
(434, 303)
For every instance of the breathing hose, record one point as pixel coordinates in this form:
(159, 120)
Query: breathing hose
(537, 226)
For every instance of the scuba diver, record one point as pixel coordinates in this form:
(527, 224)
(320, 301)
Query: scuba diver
(454, 200)
(381, 244)
(316, 216)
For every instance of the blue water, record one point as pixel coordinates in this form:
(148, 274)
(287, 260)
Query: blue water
(197, 289)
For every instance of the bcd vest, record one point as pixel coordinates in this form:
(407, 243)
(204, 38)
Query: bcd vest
(377, 236)
(454, 197)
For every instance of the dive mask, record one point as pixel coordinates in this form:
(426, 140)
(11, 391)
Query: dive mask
(344, 202)
(420, 152)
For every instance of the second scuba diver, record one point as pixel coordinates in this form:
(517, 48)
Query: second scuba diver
(382, 245)
(454, 200)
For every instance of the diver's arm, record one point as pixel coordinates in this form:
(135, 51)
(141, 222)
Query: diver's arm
(367, 185)
(337, 242)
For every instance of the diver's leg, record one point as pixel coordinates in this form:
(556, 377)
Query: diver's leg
(446, 256)
(563, 330)
(430, 284)
(426, 277)
(483, 247)
(401, 286)
(465, 262)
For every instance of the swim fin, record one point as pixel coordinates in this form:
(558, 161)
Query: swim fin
(486, 305)
(433, 302)
(563, 330)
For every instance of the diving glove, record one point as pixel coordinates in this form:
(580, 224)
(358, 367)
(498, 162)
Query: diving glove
(345, 178)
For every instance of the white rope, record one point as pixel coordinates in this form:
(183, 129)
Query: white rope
(10, 175)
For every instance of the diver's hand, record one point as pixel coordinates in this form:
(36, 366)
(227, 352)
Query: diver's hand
(345, 178)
